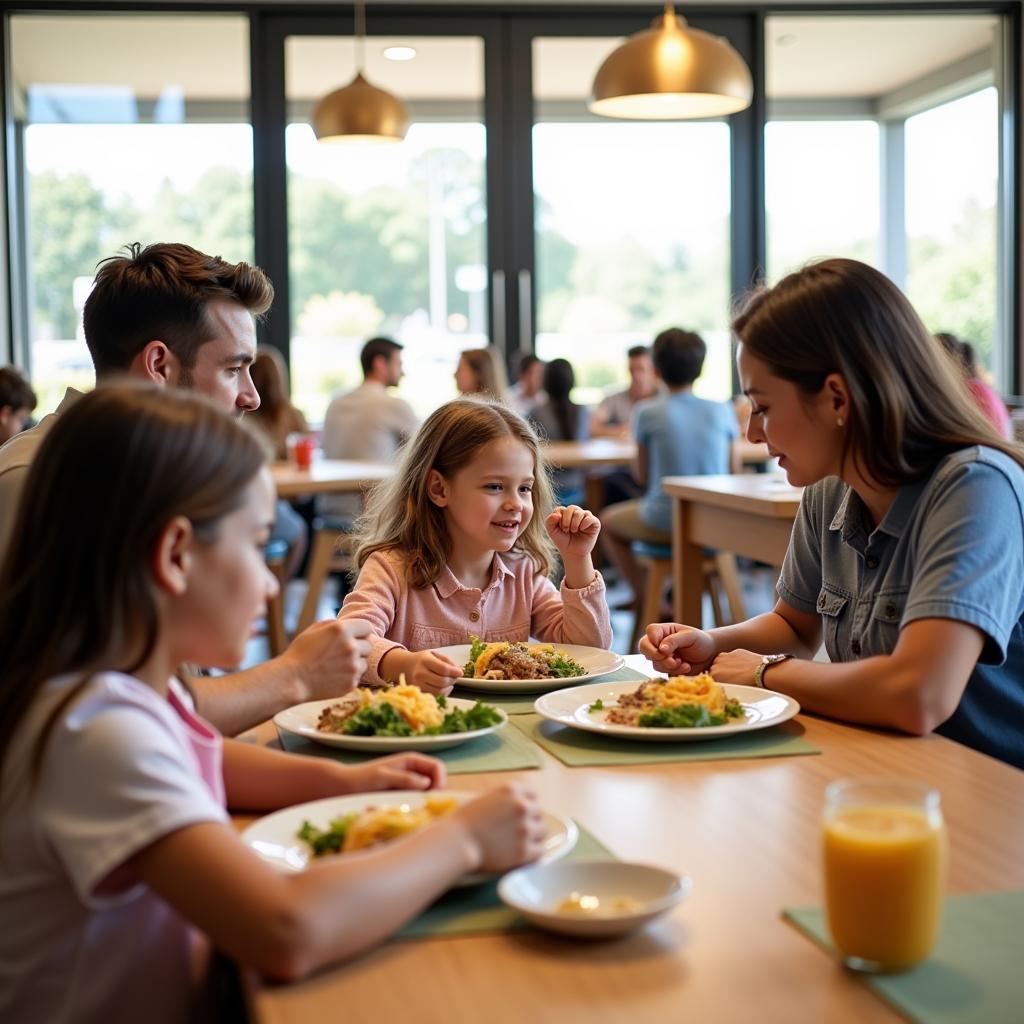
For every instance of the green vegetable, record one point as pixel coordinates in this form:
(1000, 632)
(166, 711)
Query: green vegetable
(688, 716)
(598, 705)
(479, 716)
(381, 720)
(562, 667)
(476, 648)
(329, 840)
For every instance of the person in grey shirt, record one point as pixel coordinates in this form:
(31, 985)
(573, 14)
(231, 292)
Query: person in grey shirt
(907, 555)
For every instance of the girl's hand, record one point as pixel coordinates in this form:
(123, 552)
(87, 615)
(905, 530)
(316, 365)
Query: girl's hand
(505, 826)
(736, 667)
(677, 650)
(573, 529)
(398, 771)
(432, 672)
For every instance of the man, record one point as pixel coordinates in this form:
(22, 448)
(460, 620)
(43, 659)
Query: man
(612, 416)
(17, 400)
(176, 317)
(528, 390)
(367, 423)
(677, 434)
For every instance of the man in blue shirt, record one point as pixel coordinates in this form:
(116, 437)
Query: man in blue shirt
(677, 434)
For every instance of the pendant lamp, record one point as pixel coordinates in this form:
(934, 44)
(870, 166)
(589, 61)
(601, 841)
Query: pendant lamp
(671, 72)
(360, 111)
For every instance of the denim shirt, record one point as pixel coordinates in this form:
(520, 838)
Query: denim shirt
(950, 546)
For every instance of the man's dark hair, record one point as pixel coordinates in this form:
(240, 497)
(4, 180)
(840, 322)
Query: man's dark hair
(377, 347)
(678, 356)
(15, 391)
(161, 292)
(638, 350)
(526, 360)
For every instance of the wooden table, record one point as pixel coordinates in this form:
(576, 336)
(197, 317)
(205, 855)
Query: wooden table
(747, 833)
(328, 476)
(595, 453)
(748, 514)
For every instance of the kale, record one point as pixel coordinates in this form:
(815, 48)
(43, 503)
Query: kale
(476, 648)
(329, 840)
(562, 666)
(379, 720)
(598, 705)
(479, 716)
(686, 716)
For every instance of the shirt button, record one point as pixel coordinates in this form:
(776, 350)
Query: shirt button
(855, 647)
(474, 616)
(872, 563)
(890, 610)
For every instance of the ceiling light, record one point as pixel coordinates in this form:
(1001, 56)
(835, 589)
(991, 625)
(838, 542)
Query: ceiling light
(399, 52)
(672, 72)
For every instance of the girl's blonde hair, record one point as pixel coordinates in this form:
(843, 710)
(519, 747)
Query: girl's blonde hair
(489, 370)
(401, 517)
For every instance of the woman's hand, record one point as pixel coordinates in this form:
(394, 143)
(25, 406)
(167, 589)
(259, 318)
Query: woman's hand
(505, 827)
(573, 529)
(736, 667)
(398, 771)
(677, 650)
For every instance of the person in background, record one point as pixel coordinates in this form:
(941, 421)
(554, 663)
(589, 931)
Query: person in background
(480, 371)
(276, 418)
(987, 398)
(612, 416)
(559, 418)
(907, 554)
(17, 400)
(178, 318)
(528, 389)
(461, 541)
(677, 434)
(369, 422)
(116, 841)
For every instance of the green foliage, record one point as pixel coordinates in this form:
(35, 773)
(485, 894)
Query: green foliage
(328, 840)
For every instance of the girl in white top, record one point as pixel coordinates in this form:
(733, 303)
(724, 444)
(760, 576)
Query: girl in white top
(116, 849)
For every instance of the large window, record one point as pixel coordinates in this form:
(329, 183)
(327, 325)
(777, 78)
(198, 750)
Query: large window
(132, 129)
(632, 227)
(387, 238)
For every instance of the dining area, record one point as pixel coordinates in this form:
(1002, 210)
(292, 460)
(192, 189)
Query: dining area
(511, 511)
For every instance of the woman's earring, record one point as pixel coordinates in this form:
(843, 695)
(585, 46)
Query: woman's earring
(839, 422)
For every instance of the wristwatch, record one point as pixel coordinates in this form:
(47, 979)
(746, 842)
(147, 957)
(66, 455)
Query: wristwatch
(768, 659)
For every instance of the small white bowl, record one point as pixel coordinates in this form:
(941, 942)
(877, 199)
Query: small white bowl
(538, 892)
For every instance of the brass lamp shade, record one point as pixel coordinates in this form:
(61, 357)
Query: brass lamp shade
(670, 72)
(360, 111)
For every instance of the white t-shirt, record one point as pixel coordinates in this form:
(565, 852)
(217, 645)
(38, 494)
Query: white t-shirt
(122, 768)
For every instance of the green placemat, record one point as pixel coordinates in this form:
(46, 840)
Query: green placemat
(577, 748)
(478, 909)
(522, 703)
(974, 976)
(506, 750)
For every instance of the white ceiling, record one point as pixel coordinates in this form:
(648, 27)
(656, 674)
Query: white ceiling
(207, 56)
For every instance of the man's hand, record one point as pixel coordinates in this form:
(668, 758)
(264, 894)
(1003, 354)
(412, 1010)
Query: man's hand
(329, 658)
(676, 649)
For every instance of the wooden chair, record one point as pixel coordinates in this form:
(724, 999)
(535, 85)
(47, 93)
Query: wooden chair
(329, 551)
(657, 562)
(277, 560)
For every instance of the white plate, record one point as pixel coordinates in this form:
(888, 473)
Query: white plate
(275, 837)
(764, 708)
(593, 659)
(301, 721)
(537, 892)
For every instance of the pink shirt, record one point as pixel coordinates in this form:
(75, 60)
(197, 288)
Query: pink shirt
(516, 604)
(992, 406)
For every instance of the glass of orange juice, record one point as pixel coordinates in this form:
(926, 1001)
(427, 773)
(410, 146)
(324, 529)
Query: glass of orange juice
(885, 871)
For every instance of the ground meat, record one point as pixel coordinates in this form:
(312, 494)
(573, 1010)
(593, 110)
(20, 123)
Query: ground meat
(333, 719)
(516, 663)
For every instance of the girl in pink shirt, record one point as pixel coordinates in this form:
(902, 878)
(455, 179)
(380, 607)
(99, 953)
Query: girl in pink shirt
(462, 540)
(139, 545)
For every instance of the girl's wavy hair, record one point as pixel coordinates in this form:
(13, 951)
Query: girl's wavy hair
(76, 586)
(910, 406)
(401, 517)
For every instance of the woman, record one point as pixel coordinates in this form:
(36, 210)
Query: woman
(907, 556)
(480, 372)
(558, 418)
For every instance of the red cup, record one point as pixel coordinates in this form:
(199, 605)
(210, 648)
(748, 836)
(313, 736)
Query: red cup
(302, 451)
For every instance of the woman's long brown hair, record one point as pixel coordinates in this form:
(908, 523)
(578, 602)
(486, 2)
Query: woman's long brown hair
(76, 587)
(400, 515)
(909, 404)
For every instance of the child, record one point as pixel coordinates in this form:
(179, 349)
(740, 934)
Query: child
(451, 546)
(114, 840)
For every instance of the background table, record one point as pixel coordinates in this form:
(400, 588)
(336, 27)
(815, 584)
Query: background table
(328, 476)
(747, 833)
(748, 514)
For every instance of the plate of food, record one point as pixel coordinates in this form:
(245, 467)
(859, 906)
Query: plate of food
(669, 710)
(400, 717)
(291, 839)
(520, 667)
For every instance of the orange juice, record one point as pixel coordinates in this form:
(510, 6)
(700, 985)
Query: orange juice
(884, 877)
